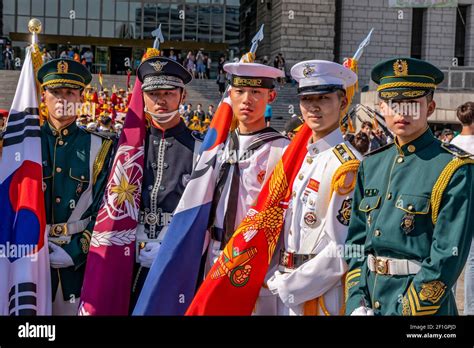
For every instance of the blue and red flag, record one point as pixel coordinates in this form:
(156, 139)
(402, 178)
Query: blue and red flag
(173, 277)
(25, 284)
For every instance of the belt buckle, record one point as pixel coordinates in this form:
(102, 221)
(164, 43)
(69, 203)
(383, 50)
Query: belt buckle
(381, 266)
(151, 219)
(58, 230)
(287, 259)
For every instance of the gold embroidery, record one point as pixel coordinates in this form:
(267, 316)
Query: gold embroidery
(63, 67)
(308, 70)
(406, 311)
(432, 291)
(400, 68)
(158, 66)
(100, 159)
(388, 95)
(240, 82)
(413, 94)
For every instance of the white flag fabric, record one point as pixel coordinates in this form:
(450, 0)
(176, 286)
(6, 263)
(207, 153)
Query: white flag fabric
(25, 284)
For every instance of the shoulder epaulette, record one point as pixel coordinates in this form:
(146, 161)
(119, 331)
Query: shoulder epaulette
(456, 151)
(380, 149)
(343, 153)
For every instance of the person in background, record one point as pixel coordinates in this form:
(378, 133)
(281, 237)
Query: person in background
(374, 142)
(189, 113)
(465, 141)
(447, 135)
(172, 56)
(200, 113)
(201, 69)
(208, 66)
(8, 57)
(221, 80)
(210, 112)
(292, 126)
(361, 142)
(268, 114)
(88, 56)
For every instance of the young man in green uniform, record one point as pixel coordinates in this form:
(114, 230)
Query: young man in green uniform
(75, 166)
(412, 210)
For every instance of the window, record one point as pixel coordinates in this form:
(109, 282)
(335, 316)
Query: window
(460, 41)
(51, 26)
(8, 24)
(9, 7)
(22, 24)
(93, 28)
(135, 13)
(79, 27)
(190, 15)
(93, 9)
(108, 9)
(204, 33)
(204, 15)
(65, 26)
(417, 32)
(121, 10)
(37, 9)
(23, 7)
(108, 29)
(51, 8)
(80, 7)
(66, 7)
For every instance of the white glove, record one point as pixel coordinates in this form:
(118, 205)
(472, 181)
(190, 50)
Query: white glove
(274, 282)
(58, 257)
(216, 250)
(363, 311)
(148, 254)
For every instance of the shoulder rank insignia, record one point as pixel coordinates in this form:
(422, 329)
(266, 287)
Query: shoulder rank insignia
(344, 214)
(456, 151)
(343, 153)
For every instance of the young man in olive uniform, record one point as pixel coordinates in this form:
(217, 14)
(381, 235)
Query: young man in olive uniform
(412, 210)
(75, 166)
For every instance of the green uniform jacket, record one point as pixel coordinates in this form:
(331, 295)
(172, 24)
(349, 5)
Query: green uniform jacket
(392, 216)
(66, 175)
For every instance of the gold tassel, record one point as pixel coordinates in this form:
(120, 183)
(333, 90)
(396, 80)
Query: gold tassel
(338, 183)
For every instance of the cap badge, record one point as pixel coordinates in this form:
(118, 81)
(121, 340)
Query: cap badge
(63, 67)
(308, 70)
(158, 66)
(400, 68)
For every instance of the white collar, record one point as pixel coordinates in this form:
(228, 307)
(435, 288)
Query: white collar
(326, 143)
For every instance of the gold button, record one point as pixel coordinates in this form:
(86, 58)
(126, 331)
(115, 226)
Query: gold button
(58, 200)
(294, 193)
(411, 148)
(58, 170)
(377, 305)
(311, 202)
(411, 207)
(367, 206)
(400, 160)
(389, 196)
(54, 133)
(377, 233)
(309, 160)
(65, 132)
(60, 142)
(301, 176)
(82, 177)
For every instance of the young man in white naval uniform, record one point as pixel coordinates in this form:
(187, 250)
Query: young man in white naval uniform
(309, 279)
(250, 154)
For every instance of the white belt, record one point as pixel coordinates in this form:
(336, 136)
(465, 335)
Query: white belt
(389, 266)
(61, 233)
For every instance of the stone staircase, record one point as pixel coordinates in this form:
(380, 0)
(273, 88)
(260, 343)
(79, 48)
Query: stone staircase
(199, 91)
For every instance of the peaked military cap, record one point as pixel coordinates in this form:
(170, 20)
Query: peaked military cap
(406, 78)
(64, 73)
(162, 73)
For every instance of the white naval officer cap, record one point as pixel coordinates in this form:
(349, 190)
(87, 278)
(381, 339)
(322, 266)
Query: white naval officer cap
(253, 75)
(322, 77)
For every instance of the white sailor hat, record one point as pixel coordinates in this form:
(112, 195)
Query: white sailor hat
(253, 75)
(322, 77)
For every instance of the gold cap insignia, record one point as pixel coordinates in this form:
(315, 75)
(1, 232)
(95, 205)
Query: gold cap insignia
(400, 68)
(63, 67)
(158, 66)
(308, 70)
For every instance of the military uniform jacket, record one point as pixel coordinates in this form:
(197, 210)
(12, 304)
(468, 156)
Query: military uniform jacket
(398, 212)
(75, 164)
(316, 223)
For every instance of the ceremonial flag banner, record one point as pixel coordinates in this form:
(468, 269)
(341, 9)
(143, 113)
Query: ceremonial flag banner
(172, 280)
(234, 282)
(25, 284)
(109, 269)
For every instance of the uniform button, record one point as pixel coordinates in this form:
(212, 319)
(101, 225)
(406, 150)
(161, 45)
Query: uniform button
(311, 202)
(150, 187)
(162, 188)
(309, 160)
(378, 233)
(389, 196)
(153, 165)
(58, 200)
(82, 177)
(301, 176)
(377, 305)
(165, 165)
(411, 207)
(65, 132)
(294, 194)
(367, 206)
(58, 170)
(411, 148)
(400, 160)
(316, 151)
(60, 142)
(54, 133)
(155, 142)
